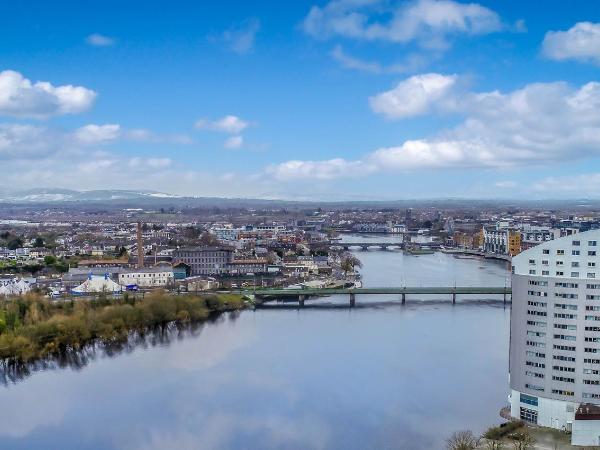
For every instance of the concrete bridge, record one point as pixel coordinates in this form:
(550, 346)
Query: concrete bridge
(302, 295)
(362, 245)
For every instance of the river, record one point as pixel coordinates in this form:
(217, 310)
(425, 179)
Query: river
(380, 376)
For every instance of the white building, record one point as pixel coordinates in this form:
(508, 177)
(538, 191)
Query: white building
(150, 277)
(555, 335)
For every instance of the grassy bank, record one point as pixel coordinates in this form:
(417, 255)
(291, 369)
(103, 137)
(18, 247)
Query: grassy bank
(33, 328)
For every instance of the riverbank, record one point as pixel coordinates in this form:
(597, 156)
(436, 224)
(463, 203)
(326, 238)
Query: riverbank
(32, 328)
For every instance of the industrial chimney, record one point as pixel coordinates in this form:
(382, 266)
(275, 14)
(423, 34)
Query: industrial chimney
(140, 246)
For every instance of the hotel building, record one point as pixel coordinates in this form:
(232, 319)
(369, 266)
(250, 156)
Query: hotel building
(555, 336)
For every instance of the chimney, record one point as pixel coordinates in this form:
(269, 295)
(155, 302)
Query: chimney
(140, 246)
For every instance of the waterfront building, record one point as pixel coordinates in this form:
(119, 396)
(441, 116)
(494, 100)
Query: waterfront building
(555, 334)
(148, 277)
(534, 235)
(204, 260)
(502, 241)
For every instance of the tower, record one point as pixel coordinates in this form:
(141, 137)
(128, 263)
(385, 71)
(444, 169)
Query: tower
(140, 246)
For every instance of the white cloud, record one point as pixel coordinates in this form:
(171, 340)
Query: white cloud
(506, 184)
(414, 96)
(228, 124)
(320, 170)
(99, 40)
(26, 141)
(21, 98)
(410, 64)
(159, 163)
(541, 123)
(350, 62)
(234, 142)
(143, 135)
(581, 42)
(152, 163)
(97, 134)
(96, 166)
(429, 22)
(241, 38)
(584, 185)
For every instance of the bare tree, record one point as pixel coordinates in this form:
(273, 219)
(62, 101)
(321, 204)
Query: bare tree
(493, 438)
(349, 262)
(522, 440)
(461, 440)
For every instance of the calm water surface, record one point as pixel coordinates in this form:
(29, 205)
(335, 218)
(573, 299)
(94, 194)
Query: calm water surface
(381, 376)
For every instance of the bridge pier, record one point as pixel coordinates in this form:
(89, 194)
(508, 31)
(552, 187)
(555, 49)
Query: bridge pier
(504, 299)
(403, 299)
(454, 298)
(364, 248)
(301, 299)
(352, 300)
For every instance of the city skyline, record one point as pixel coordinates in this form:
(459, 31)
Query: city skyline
(337, 100)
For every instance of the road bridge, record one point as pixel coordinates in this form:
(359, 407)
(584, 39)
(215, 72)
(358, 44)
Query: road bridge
(302, 295)
(362, 245)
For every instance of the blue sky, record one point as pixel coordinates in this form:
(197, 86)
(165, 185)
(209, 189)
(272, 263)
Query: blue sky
(348, 99)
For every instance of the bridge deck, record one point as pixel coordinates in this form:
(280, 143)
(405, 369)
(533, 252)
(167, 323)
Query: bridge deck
(380, 290)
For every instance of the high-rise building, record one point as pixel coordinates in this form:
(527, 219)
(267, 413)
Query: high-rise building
(555, 335)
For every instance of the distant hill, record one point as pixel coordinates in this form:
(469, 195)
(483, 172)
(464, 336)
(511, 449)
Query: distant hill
(114, 198)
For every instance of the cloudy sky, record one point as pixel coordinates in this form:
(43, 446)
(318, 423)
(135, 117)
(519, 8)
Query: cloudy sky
(346, 99)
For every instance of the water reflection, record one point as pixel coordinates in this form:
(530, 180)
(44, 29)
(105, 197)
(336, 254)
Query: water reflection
(381, 375)
(77, 359)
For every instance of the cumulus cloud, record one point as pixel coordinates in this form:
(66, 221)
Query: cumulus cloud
(414, 96)
(228, 124)
(99, 40)
(21, 98)
(428, 22)
(97, 134)
(26, 142)
(234, 142)
(580, 42)
(241, 38)
(541, 123)
(320, 170)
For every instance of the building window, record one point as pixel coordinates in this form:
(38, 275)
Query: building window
(563, 392)
(576, 243)
(591, 253)
(528, 415)
(592, 243)
(529, 399)
(560, 252)
(575, 252)
(574, 274)
(546, 251)
(531, 271)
